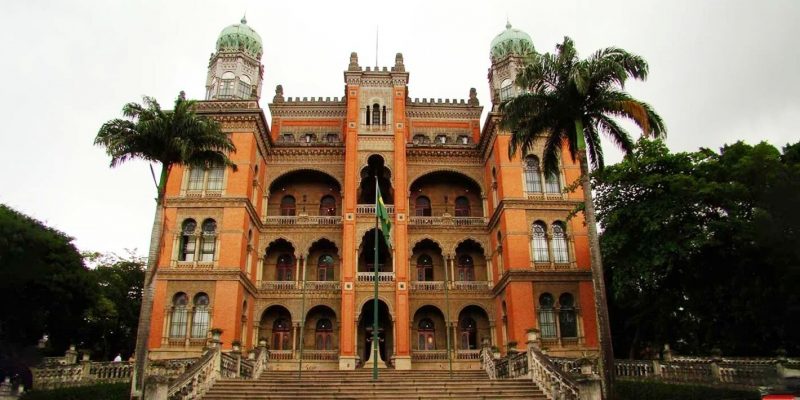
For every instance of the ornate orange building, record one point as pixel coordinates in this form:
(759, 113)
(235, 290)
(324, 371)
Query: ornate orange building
(282, 249)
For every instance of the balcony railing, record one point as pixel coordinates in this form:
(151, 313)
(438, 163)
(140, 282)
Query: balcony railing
(323, 285)
(370, 277)
(293, 286)
(369, 209)
(429, 355)
(447, 221)
(302, 220)
(281, 355)
(321, 355)
(554, 266)
(468, 354)
(279, 285)
(545, 196)
(472, 286)
(427, 285)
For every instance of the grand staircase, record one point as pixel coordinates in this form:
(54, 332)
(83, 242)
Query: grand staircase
(392, 384)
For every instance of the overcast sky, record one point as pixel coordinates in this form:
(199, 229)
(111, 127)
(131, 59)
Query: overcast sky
(720, 71)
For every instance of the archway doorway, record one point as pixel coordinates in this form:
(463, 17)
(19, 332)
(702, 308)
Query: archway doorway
(385, 332)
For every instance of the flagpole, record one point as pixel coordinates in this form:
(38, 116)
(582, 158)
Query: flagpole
(302, 321)
(375, 300)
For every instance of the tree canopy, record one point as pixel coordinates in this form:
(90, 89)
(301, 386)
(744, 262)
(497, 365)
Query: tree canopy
(702, 249)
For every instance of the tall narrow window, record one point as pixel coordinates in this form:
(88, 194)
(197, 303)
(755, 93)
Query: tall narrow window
(469, 334)
(208, 242)
(288, 206)
(281, 335)
(188, 240)
(547, 316)
(539, 242)
(552, 183)
(376, 114)
(367, 116)
(327, 206)
(560, 252)
(324, 335)
(325, 268)
(422, 206)
(196, 176)
(178, 320)
(424, 268)
(466, 268)
(284, 267)
(383, 116)
(226, 85)
(566, 316)
(462, 207)
(426, 339)
(533, 181)
(215, 176)
(200, 316)
(506, 90)
(245, 90)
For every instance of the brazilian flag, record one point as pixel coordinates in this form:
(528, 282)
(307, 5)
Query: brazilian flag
(383, 215)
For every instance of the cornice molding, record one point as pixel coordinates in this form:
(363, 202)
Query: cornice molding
(521, 275)
(528, 204)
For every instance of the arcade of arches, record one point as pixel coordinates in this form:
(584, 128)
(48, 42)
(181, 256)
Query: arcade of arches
(283, 249)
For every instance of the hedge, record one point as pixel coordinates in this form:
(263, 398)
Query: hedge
(648, 390)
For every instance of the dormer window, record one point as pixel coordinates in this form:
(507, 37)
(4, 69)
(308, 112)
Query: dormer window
(441, 139)
(308, 137)
(506, 90)
(287, 137)
(463, 139)
(332, 138)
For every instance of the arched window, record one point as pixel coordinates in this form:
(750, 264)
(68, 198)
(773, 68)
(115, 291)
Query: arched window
(539, 242)
(533, 181)
(383, 116)
(566, 316)
(441, 139)
(200, 316)
(178, 320)
(422, 205)
(288, 206)
(560, 252)
(245, 90)
(466, 268)
(325, 268)
(208, 242)
(367, 116)
(376, 114)
(281, 335)
(463, 139)
(324, 335)
(552, 183)
(188, 244)
(226, 85)
(284, 267)
(426, 339)
(506, 90)
(424, 268)
(331, 138)
(215, 177)
(420, 139)
(462, 207)
(196, 177)
(547, 316)
(327, 206)
(469, 334)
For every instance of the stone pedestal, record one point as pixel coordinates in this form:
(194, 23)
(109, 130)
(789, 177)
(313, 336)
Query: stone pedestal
(402, 362)
(369, 362)
(347, 363)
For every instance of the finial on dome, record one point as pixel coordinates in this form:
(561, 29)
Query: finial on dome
(244, 18)
(508, 23)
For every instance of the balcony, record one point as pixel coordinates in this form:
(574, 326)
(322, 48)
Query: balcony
(193, 265)
(468, 354)
(545, 196)
(292, 286)
(369, 209)
(383, 277)
(428, 355)
(447, 220)
(303, 220)
(460, 286)
(554, 266)
(281, 355)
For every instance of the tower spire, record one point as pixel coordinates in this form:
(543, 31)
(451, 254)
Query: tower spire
(244, 18)
(376, 47)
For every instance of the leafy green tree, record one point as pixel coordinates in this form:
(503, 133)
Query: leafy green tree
(176, 137)
(44, 286)
(702, 248)
(112, 321)
(568, 100)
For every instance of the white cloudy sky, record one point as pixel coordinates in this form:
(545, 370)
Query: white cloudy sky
(720, 71)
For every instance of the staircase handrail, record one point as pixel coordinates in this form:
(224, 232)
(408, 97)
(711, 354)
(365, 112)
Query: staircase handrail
(555, 384)
(193, 383)
(487, 362)
(260, 364)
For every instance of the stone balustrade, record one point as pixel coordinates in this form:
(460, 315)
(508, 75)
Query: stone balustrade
(369, 209)
(383, 277)
(429, 355)
(302, 220)
(706, 370)
(446, 221)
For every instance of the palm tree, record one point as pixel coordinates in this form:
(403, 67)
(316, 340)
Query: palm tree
(566, 100)
(177, 137)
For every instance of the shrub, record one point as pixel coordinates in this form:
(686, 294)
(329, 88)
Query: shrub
(640, 390)
(103, 391)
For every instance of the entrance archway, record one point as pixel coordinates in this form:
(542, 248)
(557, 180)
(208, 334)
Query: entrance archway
(385, 332)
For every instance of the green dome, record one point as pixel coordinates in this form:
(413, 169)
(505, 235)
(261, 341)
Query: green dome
(240, 37)
(511, 41)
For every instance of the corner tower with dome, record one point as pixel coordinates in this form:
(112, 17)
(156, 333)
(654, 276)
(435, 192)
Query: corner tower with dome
(281, 250)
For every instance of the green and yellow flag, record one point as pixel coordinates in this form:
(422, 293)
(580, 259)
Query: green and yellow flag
(383, 215)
